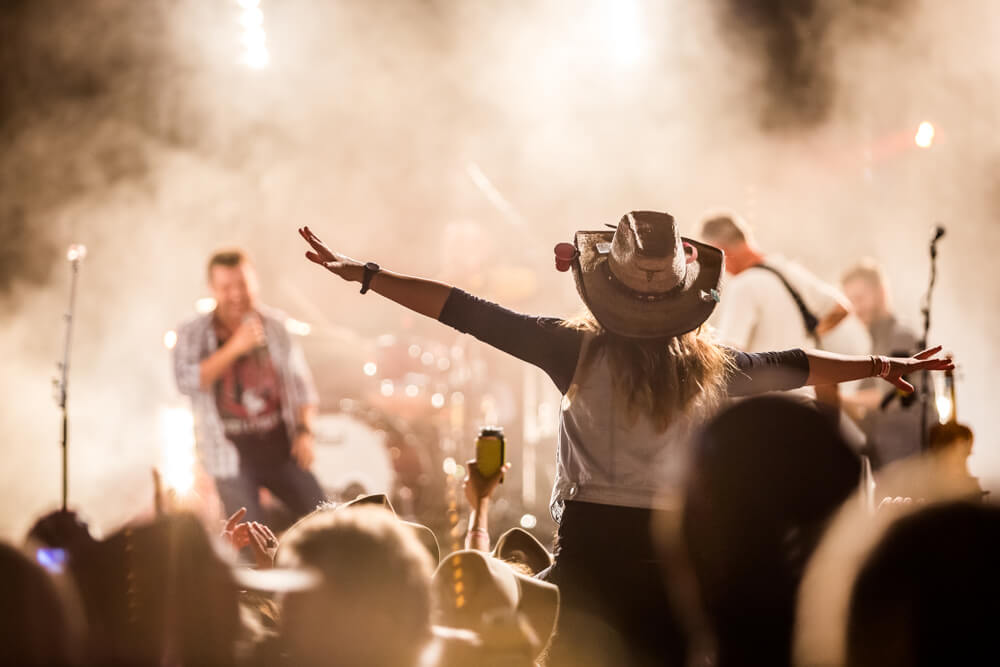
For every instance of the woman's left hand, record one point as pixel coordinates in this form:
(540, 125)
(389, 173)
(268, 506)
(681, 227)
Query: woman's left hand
(922, 361)
(341, 265)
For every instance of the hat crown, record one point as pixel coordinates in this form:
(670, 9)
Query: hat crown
(647, 254)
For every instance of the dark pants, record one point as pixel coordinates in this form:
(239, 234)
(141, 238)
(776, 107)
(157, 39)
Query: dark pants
(614, 607)
(298, 489)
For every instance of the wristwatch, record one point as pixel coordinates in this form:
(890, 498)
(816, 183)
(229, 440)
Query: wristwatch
(371, 268)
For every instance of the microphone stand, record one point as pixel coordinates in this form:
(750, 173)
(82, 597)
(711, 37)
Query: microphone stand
(926, 311)
(75, 255)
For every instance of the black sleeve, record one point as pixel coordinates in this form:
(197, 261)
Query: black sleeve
(541, 341)
(757, 373)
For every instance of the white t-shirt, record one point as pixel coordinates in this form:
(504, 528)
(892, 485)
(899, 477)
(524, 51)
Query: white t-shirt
(758, 314)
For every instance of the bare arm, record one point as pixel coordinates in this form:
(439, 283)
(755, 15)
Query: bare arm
(827, 368)
(831, 319)
(426, 297)
(478, 490)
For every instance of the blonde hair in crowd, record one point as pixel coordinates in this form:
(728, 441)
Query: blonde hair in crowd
(661, 379)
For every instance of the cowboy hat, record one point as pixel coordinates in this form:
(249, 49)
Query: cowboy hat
(643, 280)
(519, 546)
(472, 587)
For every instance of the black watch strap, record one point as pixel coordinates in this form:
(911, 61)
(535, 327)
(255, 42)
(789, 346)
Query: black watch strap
(371, 268)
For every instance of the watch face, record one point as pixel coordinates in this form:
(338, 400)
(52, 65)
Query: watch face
(372, 266)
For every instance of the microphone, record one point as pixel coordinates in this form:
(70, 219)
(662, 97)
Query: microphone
(938, 233)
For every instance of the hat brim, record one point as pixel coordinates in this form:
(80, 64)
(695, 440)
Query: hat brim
(623, 313)
(518, 544)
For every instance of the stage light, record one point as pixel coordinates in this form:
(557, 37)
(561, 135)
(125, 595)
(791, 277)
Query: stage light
(449, 466)
(76, 251)
(925, 135)
(257, 58)
(412, 390)
(252, 18)
(297, 328)
(437, 400)
(388, 388)
(528, 521)
(444, 364)
(178, 454)
(370, 369)
(620, 26)
(254, 38)
(944, 407)
(427, 358)
(170, 339)
(204, 305)
(413, 351)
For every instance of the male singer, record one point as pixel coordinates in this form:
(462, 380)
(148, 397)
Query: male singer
(252, 394)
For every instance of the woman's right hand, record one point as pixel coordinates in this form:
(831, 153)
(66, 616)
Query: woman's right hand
(342, 265)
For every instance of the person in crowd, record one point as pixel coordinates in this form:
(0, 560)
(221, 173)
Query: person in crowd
(926, 594)
(639, 374)
(157, 593)
(373, 605)
(512, 613)
(890, 421)
(766, 476)
(252, 394)
(479, 491)
(36, 626)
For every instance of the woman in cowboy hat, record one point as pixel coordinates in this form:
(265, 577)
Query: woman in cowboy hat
(638, 373)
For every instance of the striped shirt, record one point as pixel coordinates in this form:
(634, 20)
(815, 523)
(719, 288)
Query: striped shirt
(196, 340)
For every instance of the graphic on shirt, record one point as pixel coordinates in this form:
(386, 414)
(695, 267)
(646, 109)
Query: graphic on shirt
(248, 396)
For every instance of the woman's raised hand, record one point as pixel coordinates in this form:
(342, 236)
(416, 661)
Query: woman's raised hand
(342, 265)
(922, 361)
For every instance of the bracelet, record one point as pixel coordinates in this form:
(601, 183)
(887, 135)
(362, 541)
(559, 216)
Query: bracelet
(881, 366)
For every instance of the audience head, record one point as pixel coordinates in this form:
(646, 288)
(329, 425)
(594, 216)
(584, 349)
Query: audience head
(513, 613)
(374, 603)
(35, 621)
(926, 594)
(767, 473)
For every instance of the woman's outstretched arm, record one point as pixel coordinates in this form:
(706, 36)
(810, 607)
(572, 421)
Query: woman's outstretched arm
(830, 368)
(540, 341)
(423, 296)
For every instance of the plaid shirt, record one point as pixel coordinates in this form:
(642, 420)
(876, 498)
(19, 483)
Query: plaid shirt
(196, 340)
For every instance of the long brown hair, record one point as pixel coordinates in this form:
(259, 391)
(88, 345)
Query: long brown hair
(660, 379)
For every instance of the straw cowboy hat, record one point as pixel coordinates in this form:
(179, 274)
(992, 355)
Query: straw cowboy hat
(474, 591)
(642, 279)
(519, 546)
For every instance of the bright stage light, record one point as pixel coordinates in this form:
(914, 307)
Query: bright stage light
(255, 53)
(925, 135)
(621, 28)
(170, 339)
(388, 388)
(412, 390)
(449, 466)
(76, 251)
(944, 407)
(370, 369)
(437, 400)
(528, 521)
(178, 453)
